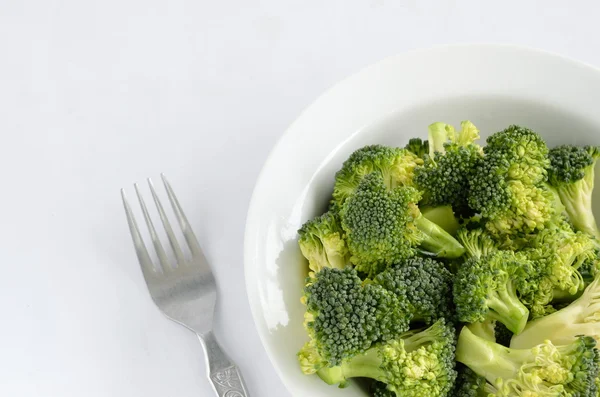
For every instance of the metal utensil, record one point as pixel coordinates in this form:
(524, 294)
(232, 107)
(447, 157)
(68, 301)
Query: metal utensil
(185, 291)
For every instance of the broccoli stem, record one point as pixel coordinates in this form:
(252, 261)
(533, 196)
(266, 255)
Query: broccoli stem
(577, 198)
(562, 327)
(437, 241)
(361, 366)
(443, 216)
(506, 307)
(489, 359)
(485, 329)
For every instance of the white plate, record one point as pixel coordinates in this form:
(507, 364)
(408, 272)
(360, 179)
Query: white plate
(388, 103)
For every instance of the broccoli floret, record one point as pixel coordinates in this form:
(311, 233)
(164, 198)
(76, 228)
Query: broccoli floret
(571, 172)
(468, 383)
(344, 316)
(444, 176)
(379, 389)
(544, 370)
(508, 187)
(425, 284)
(485, 288)
(418, 147)
(419, 363)
(395, 165)
(384, 226)
(581, 317)
(524, 152)
(321, 242)
(558, 254)
(477, 242)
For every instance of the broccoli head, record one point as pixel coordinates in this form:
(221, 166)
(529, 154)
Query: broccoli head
(485, 288)
(384, 226)
(344, 316)
(418, 147)
(444, 176)
(560, 255)
(395, 165)
(543, 370)
(321, 242)
(419, 363)
(581, 317)
(425, 284)
(571, 172)
(508, 186)
(468, 383)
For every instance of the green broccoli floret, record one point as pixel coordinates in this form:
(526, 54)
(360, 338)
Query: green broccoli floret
(384, 226)
(395, 165)
(379, 389)
(418, 147)
(425, 284)
(469, 384)
(321, 242)
(544, 370)
(477, 242)
(485, 288)
(344, 316)
(571, 172)
(444, 176)
(419, 363)
(558, 254)
(508, 187)
(581, 317)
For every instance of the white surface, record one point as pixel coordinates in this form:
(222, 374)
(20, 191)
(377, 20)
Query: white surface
(389, 103)
(97, 95)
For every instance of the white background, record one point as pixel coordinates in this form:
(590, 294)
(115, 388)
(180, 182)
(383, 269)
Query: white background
(95, 95)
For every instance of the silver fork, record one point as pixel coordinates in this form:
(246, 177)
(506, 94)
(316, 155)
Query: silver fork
(184, 291)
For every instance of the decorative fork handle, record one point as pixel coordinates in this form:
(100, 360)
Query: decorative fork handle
(223, 373)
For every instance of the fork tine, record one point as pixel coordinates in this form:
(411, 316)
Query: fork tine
(186, 228)
(160, 251)
(140, 248)
(165, 221)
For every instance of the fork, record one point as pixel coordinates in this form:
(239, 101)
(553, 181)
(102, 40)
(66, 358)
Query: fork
(185, 291)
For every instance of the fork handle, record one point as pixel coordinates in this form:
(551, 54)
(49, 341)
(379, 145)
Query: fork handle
(222, 372)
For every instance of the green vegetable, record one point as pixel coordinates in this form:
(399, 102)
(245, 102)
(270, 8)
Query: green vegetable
(582, 317)
(543, 370)
(417, 363)
(508, 186)
(485, 288)
(345, 316)
(322, 242)
(418, 147)
(384, 225)
(395, 165)
(572, 174)
(444, 176)
(425, 284)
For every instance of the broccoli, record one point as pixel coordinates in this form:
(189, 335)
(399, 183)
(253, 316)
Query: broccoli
(543, 370)
(485, 288)
(444, 176)
(581, 317)
(477, 242)
(344, 316)
(508, 187)
(395, 165)
(321, 242)
(571, 172)
(419, 363)
(425, 284)
(379, 389)
(559, 254)
(469, 384)
(384, 225)
(418, 147)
